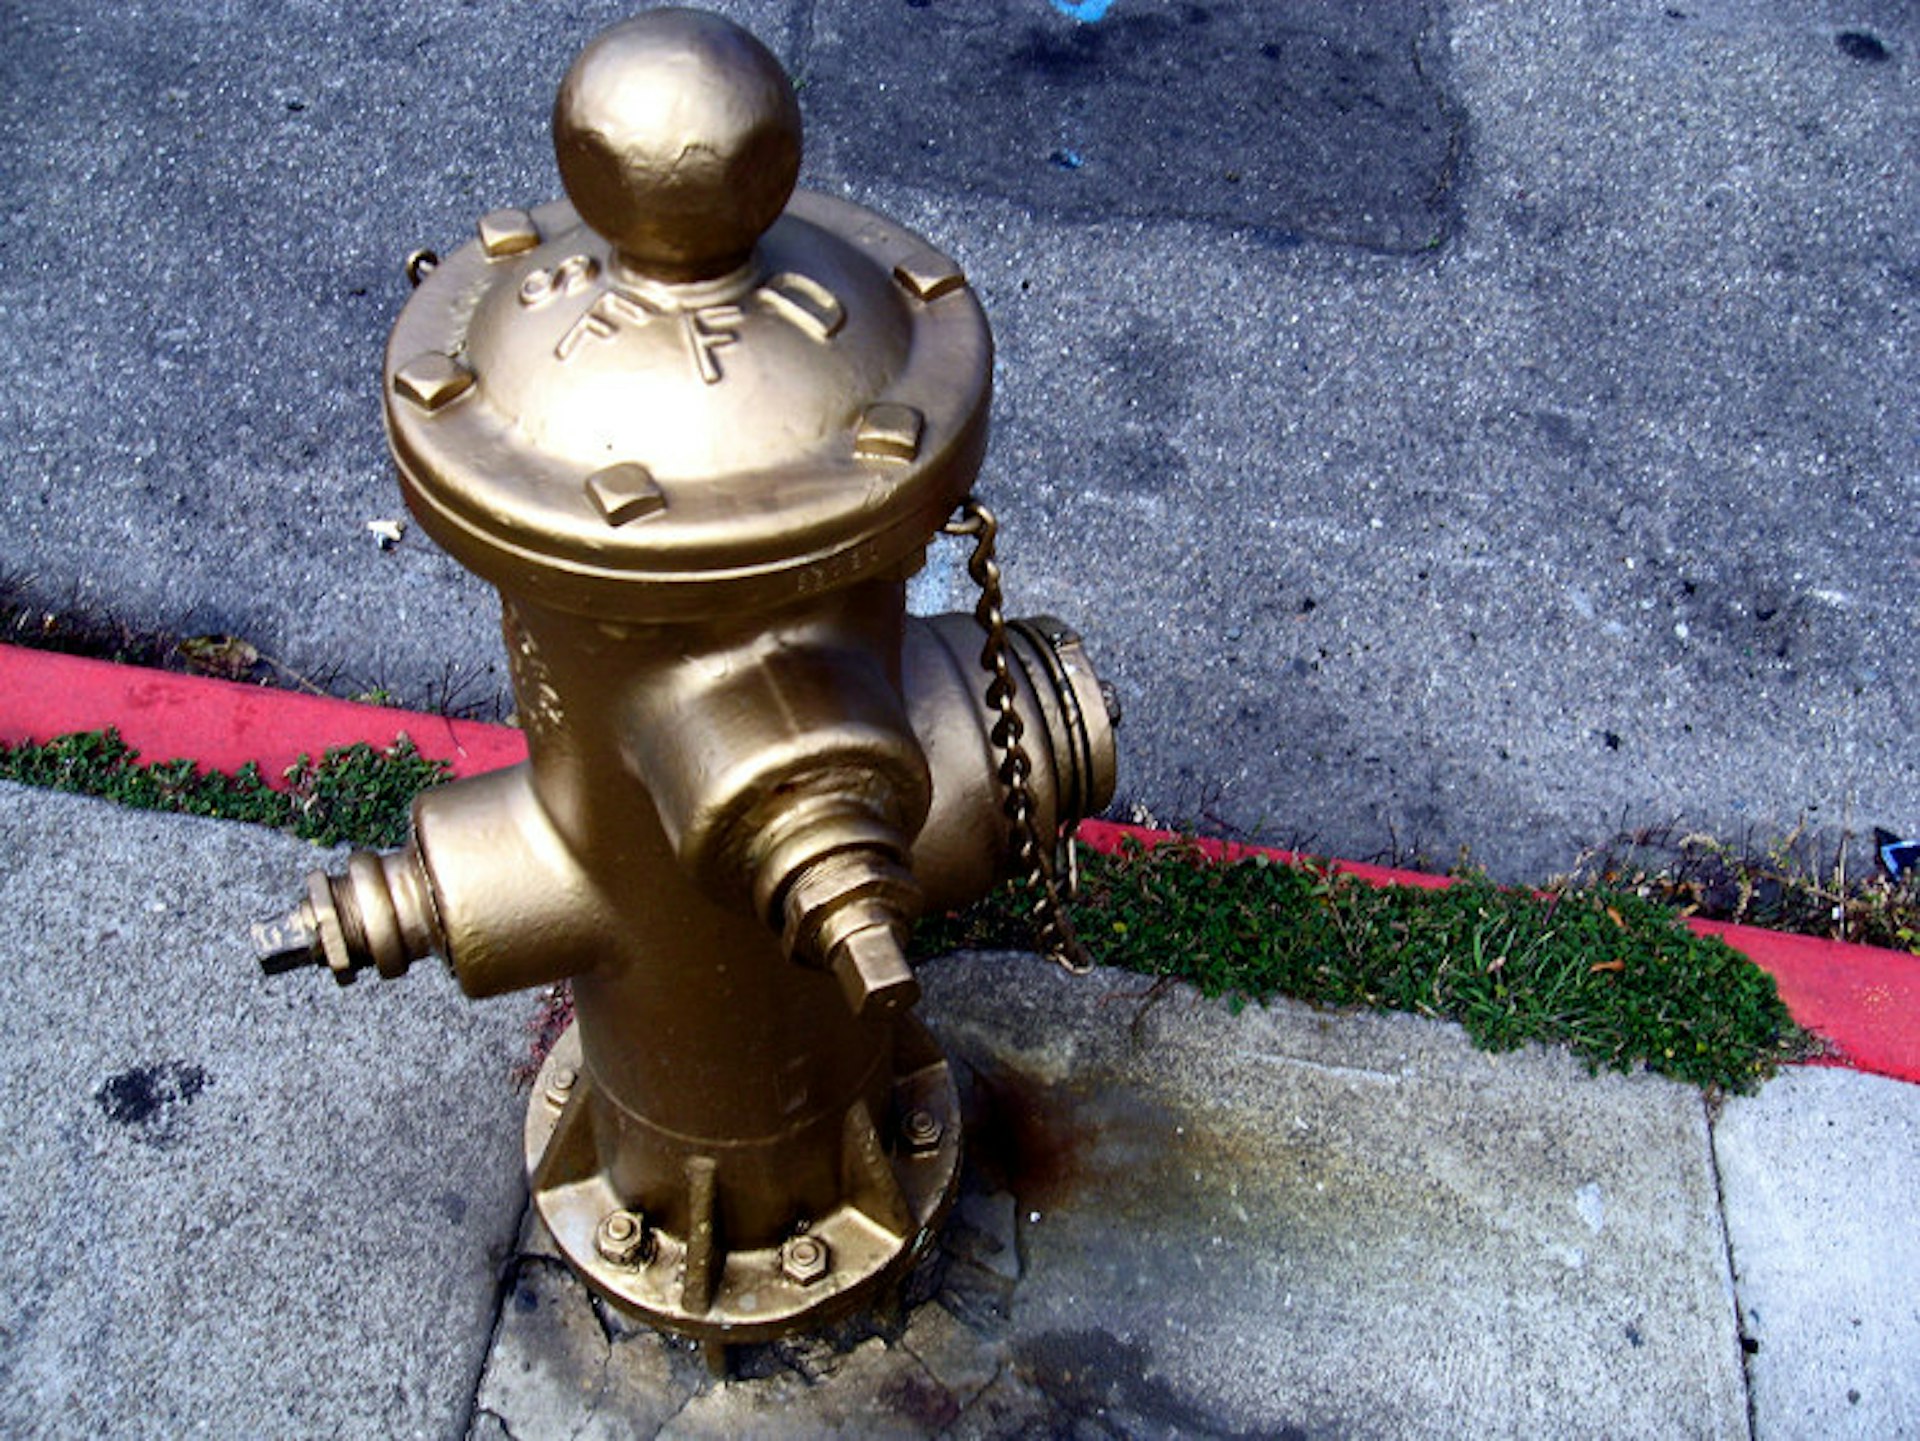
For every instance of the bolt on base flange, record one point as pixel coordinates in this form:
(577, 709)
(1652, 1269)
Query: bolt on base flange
(690, 1282)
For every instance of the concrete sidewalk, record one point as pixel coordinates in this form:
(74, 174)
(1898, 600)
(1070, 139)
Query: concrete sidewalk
(238, 1206)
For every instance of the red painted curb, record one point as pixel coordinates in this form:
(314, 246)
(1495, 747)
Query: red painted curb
(1108, 836)
(1864, 1000)
(220, 724)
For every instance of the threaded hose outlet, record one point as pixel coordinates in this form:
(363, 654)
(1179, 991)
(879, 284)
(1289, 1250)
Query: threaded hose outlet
(378, 915)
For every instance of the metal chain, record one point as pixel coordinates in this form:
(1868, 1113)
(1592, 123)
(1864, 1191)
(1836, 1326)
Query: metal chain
(1053, 930)
(420, 265)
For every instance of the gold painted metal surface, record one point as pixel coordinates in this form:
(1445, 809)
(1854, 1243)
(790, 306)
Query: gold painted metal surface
(670, 320)
(699, 429)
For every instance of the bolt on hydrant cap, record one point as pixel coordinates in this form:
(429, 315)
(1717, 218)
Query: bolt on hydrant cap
(678, 138)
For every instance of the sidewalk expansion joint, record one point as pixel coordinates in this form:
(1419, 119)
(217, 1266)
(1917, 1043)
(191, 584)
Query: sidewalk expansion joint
(506, 1277)
(1711, 1107)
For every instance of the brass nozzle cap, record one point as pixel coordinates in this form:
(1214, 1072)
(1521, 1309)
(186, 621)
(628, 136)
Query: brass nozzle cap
(872, 969)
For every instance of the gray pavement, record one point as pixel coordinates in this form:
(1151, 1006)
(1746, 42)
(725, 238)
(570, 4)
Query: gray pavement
(237, 1206)
(1808, 1169)
(1471, 425)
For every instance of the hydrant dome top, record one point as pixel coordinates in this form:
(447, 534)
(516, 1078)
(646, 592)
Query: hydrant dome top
(678, 139)
(688, 387)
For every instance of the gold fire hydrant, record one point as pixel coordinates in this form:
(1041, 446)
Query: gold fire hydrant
(699, 428)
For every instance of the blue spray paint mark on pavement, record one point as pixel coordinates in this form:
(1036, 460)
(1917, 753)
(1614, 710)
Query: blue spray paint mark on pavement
(1088, 12)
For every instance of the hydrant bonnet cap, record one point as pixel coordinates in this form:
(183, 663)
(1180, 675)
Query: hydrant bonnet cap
(678, 139)
(688, 387)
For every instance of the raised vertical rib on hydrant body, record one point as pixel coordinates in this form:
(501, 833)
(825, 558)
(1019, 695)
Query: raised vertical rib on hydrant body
(698, 430)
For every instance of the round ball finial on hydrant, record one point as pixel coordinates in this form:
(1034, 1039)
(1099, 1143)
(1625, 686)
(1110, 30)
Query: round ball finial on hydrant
(698, 428)
(678, 138)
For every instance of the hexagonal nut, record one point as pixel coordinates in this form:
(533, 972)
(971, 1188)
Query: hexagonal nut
(805, 1259)
(873, 972)
(624, 1239)
(920, 1129)
(560, 1088)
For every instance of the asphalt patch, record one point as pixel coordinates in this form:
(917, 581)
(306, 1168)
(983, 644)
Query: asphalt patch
(1295, 118)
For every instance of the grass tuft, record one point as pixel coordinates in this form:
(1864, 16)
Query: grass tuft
(1615, 977)
(357, 794)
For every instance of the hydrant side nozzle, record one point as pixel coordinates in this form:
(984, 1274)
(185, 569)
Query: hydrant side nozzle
(314, 933)
(379, 915)
(967, 844)
(848, 912)
(785, 854)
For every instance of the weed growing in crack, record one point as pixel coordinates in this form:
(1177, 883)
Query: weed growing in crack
(1794, 882)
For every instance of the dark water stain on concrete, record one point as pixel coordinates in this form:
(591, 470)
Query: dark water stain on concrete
(1094, 1380)
(1137, 463)
(1562, 433)
(151, 1101)
(1088, 1142)
(1022, 1137)
(1863, 46)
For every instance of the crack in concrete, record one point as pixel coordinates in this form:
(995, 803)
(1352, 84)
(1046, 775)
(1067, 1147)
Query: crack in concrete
(590, 1405)
(497, 1419)
(602, 1320)
(503, 1284)
(679, 1411)
(937, 1384)
(800, 31)
(992, 1381)
(1327, 1068)
(518, 1265)
(1449, 178)
(933, 1379)
(1710, 1109)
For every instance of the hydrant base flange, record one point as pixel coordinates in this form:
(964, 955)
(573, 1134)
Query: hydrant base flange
(902, 1174)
